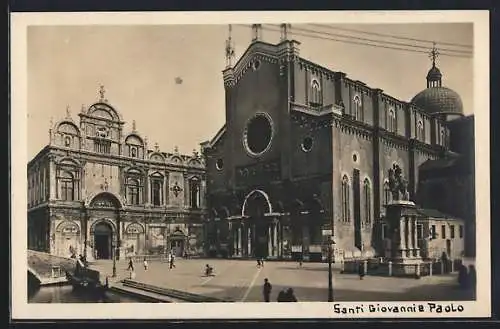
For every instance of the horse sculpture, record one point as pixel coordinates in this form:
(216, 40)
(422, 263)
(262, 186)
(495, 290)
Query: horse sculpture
(397, 184)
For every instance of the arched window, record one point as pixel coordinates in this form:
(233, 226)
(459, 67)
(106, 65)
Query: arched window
(420, 131)
(391, 120)
(345, 199)
(133, 188)
(67, 186)
(194, 193)
(67, 141)
(156, 192)
(315, 93)
(387, 193)
(368, 197)
(358, 110)
(133, 151)
(157, 189)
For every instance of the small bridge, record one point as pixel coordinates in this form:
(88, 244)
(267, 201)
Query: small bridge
(49, 269)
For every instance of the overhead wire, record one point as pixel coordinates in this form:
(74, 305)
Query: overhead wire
(387, 42)
(374, 43)
(377, 44)
(391, 36)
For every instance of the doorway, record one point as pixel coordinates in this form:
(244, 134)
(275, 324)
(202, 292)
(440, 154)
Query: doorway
(177, 247)
(261, 240)
(103, 234)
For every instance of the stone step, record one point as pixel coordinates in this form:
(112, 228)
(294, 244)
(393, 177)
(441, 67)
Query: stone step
(147, 296)
(182, 295)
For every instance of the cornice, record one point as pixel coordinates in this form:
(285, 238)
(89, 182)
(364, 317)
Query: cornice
(353, 127)
(120, 160)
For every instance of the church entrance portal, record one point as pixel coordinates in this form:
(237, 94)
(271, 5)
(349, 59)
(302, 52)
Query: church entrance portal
(256, 206)
(103, 237)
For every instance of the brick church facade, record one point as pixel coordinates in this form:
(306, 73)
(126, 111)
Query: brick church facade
(100, 190)
(304, 154)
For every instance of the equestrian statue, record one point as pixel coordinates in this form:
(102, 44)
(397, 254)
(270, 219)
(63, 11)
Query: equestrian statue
(398, 185)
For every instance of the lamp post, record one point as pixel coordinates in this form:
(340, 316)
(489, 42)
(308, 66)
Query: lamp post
(114, 260)
(331, 245)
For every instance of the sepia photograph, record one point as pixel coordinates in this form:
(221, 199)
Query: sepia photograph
(325, 161)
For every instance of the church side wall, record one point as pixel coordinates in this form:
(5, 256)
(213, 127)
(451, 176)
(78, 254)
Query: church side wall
(348, 145)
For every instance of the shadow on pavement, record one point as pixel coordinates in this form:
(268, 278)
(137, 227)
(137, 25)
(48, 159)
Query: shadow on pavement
(426, 292)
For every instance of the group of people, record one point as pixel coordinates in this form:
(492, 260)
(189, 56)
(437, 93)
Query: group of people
(285, 295)
(170, 259)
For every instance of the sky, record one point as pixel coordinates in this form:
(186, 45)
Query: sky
(139, 67)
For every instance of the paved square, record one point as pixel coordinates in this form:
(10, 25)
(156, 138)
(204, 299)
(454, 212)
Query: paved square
(241, 281)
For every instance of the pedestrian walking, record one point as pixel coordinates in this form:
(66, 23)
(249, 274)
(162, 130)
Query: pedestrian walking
(262, 262)
(130, 265)
(172, 261)
(258, 262)
(267, 290)
(361, 270)
(145, 264)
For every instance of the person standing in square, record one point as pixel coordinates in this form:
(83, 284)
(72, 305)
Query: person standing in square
(267, 290)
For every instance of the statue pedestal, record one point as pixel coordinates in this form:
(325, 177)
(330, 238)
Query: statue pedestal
(402, 217)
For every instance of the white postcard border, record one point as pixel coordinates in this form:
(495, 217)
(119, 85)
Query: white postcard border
(22, 310)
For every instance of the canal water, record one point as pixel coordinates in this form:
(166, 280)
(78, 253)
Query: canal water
(66, 294)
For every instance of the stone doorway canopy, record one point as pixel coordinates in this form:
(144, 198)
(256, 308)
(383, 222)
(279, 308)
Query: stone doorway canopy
(105, 200)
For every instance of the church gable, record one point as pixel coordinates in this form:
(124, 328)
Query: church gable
(252, 60)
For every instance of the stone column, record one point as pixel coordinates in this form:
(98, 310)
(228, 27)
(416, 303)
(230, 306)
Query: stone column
(407, 236)
(148, 193)
(203, 188)
(415, 237)
(187, 192)
(275, 239)
(269, 240)
(119, 236)
(166, 190)
(52, 237)
(230, 238)
(239, 239)
(411, 233)
(249, 240)
(52, 183)
(402, 236)
(280, 239)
